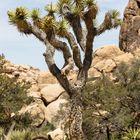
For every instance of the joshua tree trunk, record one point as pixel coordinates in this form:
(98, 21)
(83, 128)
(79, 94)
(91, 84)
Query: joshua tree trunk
(75, 91)
(76, 120)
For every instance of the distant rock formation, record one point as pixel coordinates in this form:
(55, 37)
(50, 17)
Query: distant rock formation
(130, 29)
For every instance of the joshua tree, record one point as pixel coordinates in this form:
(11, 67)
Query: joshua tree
(79, 16)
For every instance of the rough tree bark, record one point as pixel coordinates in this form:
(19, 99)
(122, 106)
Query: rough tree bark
(81, 39)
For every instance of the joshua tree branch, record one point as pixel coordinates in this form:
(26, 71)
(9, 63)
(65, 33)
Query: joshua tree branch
(39, 33)
(88, 18)
(75, 23)
(76, 52)
(60, 45)
(49, 58)
(55, 70)
(108, 24)
(33, 29)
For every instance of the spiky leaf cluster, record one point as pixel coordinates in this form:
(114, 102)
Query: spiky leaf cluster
(112, 19)
(35, 14)
(18, 18)
(11, 15)
(60, 4)
(114, 14)
(51, 9)
(19, 14)
(132, 134)
(89, 3)
(76, 10)
(61, 27)
(48, 23)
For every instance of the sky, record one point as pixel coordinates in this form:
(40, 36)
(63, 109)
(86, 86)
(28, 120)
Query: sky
(21, 49)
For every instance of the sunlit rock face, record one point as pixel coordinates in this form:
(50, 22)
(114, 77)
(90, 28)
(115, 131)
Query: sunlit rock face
(130, 29)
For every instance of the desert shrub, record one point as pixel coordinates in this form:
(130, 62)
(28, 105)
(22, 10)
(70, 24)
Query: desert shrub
(30, 133)
(131, 134)
(13, 95)
(111, 108)
(21, 135)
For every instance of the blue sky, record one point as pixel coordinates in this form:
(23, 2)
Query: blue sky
(21, 49)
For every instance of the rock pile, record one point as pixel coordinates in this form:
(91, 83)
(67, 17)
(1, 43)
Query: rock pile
(48, 95)
(23, 72)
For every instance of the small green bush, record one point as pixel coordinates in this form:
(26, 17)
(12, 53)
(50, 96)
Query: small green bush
(21, 135)
(111, 108)
(13, 95)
